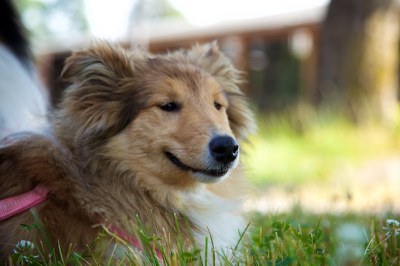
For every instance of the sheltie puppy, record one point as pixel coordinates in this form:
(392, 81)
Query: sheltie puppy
(137, 137)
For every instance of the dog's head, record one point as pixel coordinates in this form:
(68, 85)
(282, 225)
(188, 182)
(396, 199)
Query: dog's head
(175, 118)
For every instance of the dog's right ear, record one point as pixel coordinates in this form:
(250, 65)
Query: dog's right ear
(102, 63)
(102, 99)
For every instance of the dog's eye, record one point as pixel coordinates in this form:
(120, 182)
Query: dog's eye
(170, 107)
(217, 105)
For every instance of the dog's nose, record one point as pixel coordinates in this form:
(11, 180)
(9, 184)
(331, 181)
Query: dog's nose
(224, 149)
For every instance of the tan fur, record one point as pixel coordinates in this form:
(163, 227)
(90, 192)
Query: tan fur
(104, 156)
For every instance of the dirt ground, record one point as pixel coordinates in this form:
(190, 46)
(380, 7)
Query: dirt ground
(373, 187)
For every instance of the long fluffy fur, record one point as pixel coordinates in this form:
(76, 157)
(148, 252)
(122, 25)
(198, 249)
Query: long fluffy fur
(103, 156)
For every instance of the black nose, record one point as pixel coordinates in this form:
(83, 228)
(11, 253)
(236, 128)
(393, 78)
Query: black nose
(224, 149)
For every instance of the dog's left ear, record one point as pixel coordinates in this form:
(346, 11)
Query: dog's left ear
(209, 57)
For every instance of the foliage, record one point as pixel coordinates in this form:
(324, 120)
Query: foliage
(52, 19)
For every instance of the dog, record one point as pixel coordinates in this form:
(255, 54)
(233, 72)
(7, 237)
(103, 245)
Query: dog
(137, 137)
(23, 100)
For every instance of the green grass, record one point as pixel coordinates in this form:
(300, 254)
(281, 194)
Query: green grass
(294, 238)
(294, 147)
(297, 238)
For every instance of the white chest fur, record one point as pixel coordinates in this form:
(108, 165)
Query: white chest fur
(216, 218)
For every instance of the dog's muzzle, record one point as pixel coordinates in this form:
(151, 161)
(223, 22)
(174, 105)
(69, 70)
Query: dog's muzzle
(221, 156)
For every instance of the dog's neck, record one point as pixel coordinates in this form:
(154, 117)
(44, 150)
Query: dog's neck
(197, 211)
(128, 200)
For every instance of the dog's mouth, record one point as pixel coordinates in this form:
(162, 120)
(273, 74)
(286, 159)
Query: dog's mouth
(209, 172)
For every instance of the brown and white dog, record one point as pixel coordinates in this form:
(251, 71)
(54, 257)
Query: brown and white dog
(136, 135)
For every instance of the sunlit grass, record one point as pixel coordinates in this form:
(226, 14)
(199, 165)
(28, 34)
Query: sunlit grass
(296, 147)
(293, 238)
(298, 238)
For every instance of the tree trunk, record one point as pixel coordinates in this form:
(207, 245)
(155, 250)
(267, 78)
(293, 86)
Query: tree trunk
(358, 64)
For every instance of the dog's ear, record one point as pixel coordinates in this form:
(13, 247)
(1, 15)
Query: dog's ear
(102, 99)
(102, 63)
(209, 57)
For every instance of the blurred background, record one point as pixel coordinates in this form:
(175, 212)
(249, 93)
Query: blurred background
(323, 77)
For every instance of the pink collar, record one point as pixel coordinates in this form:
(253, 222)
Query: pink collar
(131, 240)
(12, 206)
(23, 202)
